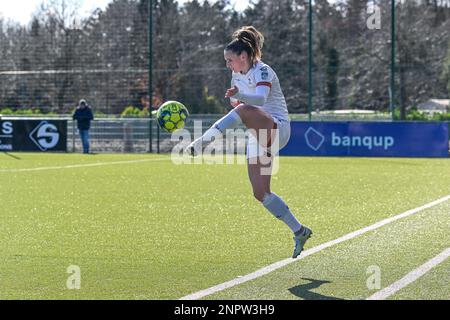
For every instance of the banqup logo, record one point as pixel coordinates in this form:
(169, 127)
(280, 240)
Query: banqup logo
(315, 140)
(369, 142)
(45, 136)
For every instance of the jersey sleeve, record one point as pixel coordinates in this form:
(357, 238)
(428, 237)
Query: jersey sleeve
(264, 76)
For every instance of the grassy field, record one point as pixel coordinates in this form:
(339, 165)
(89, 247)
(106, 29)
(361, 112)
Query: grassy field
(140, 227)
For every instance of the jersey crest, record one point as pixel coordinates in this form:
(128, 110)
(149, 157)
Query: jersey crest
(264, 73)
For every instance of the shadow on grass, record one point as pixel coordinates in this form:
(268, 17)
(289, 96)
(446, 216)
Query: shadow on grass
(304, 291)
(11, 155)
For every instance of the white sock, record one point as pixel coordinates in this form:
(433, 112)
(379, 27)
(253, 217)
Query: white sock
(230, 121)
(281, 211)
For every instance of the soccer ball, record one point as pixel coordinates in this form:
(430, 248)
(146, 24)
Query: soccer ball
(172, 116)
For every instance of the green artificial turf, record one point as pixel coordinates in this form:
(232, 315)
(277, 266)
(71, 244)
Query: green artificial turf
(141, 227)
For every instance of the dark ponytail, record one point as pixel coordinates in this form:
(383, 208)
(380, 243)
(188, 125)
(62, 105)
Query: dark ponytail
(247, 39)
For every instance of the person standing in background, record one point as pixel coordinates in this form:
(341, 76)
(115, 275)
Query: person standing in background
(83, 114)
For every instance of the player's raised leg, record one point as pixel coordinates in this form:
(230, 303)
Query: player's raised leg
(256, 119)
(252, 117)
(229, 121)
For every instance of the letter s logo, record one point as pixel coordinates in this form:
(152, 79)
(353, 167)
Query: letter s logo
(7, 128)
(45, 136)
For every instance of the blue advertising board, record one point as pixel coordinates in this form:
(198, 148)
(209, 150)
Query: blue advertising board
(368, 139)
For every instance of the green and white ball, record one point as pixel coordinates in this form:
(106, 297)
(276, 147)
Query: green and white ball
(172, 116)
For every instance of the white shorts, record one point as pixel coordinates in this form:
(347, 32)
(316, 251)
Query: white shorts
(279, 141)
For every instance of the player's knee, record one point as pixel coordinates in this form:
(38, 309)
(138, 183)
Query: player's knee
(259, 195)
(244, 107)
(244, 110)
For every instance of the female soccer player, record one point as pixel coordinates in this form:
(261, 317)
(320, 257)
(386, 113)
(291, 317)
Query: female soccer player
(259, 105)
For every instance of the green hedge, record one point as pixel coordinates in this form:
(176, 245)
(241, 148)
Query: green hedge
(134, 112)
(24, 112)
(38, 112)
(415, 115)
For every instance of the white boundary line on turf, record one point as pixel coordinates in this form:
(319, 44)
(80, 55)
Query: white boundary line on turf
(74, 166)
(410, 277)
(280, 264)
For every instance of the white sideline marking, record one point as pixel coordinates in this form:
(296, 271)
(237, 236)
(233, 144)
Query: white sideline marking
(98, 164)
(280, 264)
(410, 277)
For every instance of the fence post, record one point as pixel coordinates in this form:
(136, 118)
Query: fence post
(158, 139)
(73, 136)
(128, 136)
(150, 70)
(310, 61)
(392, 85)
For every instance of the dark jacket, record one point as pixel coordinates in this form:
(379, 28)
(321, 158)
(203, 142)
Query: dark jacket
(84, 118)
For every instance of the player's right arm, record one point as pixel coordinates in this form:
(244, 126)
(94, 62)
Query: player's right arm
(234, 102)
(263, 87)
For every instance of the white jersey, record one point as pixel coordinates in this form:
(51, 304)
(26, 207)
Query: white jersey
(262, 74)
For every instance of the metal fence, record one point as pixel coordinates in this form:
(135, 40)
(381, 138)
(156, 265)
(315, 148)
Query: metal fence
(133, 135)
(143, 135)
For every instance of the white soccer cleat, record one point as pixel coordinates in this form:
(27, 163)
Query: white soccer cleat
(194, 148)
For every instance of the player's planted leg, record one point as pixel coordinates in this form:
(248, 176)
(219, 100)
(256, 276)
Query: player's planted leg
(281, 211)
(300, 239)
(276, 206)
